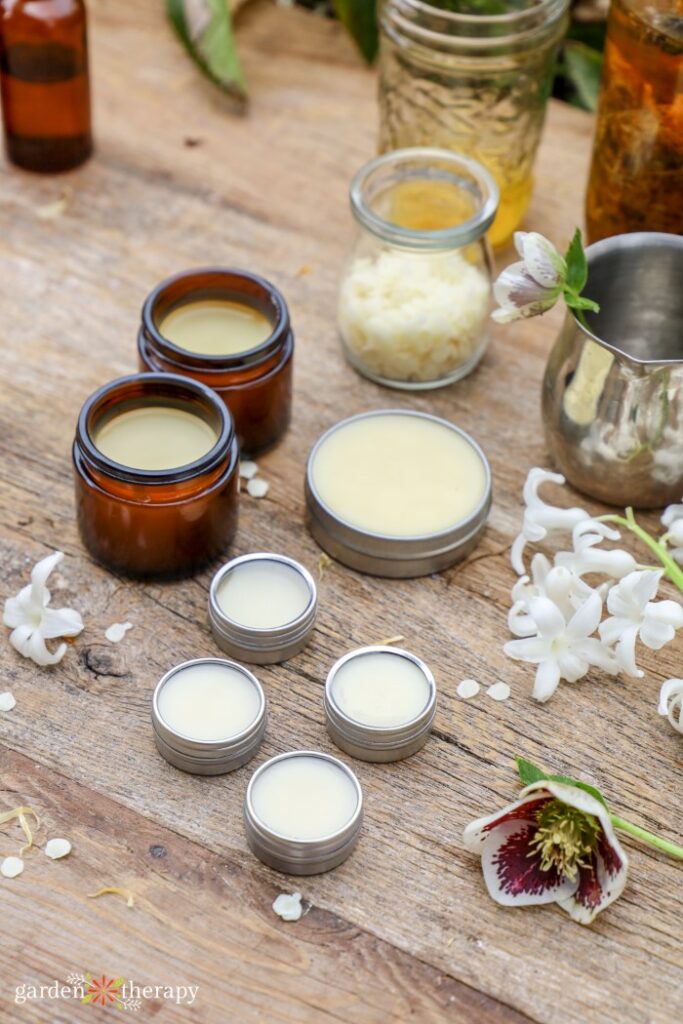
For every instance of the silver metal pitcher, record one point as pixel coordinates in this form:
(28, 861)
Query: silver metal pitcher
(613, 391)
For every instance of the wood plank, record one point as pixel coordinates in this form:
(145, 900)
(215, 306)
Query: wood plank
(268, 191)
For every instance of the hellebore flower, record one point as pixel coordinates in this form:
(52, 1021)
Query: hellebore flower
(32, 622)
(635, 615)
(539, 517)
(555, 844)
(532, 285)
(671, 702)
(562, 648)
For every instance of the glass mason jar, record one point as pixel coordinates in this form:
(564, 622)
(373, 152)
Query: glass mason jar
(475, 83)
(636, 179)
(255, 383)
(415, 297)
(156, 523)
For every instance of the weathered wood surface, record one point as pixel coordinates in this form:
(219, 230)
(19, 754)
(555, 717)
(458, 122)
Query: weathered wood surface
(404, 930)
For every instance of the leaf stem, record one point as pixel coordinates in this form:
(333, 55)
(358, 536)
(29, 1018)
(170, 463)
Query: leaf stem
(647, 837)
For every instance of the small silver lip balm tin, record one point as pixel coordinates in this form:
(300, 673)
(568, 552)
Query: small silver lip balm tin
(262, 646)
(379, 743)
(302, 856)
(215, 757)
(387, 555)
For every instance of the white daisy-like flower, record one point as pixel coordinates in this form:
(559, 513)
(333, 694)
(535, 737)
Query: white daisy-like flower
(541, 518)
(562, 648)
(635, 615)
(532, 285)
(31, 620)
(671, 702)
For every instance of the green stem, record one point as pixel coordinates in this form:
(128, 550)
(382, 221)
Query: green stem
(672, 569)
(647, 837)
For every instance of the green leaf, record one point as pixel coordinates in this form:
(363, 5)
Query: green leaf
(359, 17)
(205, 28)
(583, 68)
(528, 772)
(577, 268)
(579, 302)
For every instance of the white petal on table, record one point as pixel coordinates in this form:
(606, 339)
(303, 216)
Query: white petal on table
(7, 701)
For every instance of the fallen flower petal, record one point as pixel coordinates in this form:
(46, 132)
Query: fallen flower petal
(499, 691)
(248, 469)
(7, 701)
(57, 848)
(11, 867)
(671, 702)
(258, 488)
(116, 632)
(288, 907)
(467, 688)
(32, 622)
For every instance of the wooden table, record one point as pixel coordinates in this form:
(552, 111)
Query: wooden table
(404, 930)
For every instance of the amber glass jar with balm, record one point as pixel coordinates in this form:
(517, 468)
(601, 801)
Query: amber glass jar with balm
(231, 330)
(156, 475)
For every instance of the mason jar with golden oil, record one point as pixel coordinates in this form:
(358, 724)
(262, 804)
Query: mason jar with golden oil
(474, 79)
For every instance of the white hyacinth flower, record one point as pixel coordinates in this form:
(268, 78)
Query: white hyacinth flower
(562, 648)
(534, 284)
(587, 557)
(671, 702)
(673, 520)
(567, 590)
(635, 615)
(31, 620)
(541, 518)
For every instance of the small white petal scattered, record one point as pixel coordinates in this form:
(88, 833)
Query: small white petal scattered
(258, 488)
(248, 469)
(11, 867)
(116, 632)
(7, 701)
(288, 907)
(468, 688)
(56, 848)
(499, 691)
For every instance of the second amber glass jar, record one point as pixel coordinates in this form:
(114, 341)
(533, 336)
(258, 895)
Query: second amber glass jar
(159, 523)
(471, 82)
(256, 385)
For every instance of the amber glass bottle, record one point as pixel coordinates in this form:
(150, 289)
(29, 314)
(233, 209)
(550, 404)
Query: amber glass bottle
(45, 86)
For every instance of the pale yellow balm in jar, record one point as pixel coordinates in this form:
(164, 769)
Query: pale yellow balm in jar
(397, 493)
(216, 327)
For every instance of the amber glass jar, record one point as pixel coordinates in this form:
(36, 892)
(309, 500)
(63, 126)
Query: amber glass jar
(636, 179)
(160, 523)
(44, 82)
(255, 384)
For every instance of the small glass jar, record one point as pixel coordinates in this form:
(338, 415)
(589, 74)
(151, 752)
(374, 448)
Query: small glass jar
(636, 178)
(255, 384)
(160, 523)
(471, 82)
(415, 297)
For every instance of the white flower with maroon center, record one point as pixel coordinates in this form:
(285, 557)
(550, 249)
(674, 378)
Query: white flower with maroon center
(555, 844)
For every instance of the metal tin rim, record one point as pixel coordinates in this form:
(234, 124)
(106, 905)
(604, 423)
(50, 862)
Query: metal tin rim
(208, 749)
(254, 638)
(390, 546)
(318, 844)
(380, 736)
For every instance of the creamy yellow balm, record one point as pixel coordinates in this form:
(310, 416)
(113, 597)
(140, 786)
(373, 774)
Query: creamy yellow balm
(380, 688)
(399, 475)
(155, 437)
(263, 593)
(397, 493)
(304, 797)
(216, 327)
(208, 701)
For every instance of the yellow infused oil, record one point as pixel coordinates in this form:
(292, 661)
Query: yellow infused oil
(216, 327)
(155, 437)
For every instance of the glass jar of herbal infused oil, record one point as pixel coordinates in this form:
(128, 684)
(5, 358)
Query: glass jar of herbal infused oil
(473, 76)
(414, 300)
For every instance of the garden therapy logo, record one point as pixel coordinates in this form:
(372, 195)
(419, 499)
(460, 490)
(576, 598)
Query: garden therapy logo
(106, 992)
(103, 991)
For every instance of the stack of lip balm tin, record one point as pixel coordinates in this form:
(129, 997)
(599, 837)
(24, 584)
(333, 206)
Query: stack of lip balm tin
(303, 810)
(392, 492)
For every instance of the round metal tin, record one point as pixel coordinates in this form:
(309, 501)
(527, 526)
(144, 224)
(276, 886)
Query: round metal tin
(373, 742)
(262, 646)
(302, 856)
(383, 554)
(216, 756)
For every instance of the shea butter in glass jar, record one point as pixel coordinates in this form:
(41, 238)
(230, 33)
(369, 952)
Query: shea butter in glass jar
(415, 297)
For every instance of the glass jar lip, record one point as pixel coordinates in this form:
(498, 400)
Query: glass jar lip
(470, 230)
(248, 357)
(163, 384)
(514, 18)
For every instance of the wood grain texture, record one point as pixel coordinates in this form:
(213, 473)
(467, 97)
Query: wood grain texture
(405, 924)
